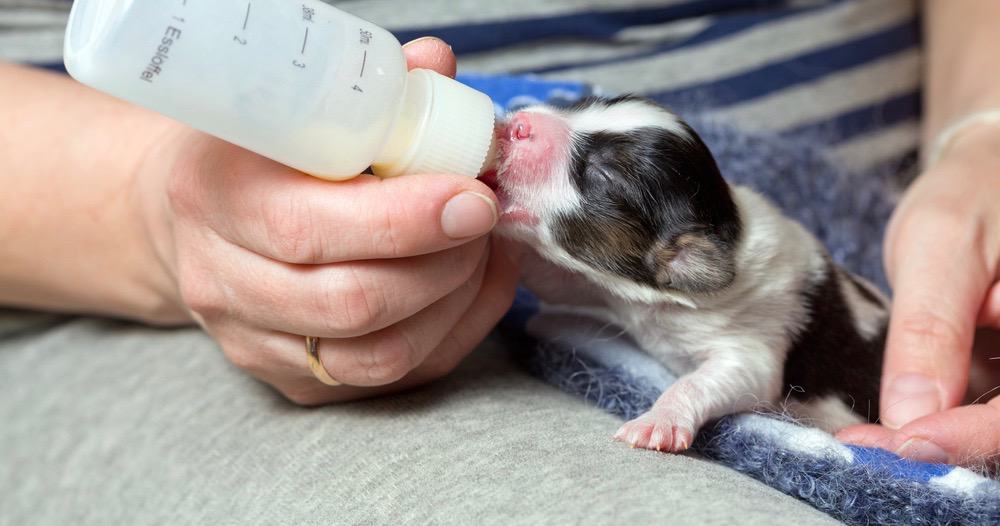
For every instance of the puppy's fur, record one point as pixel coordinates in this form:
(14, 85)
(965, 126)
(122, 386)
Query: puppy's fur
(709, 278)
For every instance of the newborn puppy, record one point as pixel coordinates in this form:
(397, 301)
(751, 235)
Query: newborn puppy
(627, 213)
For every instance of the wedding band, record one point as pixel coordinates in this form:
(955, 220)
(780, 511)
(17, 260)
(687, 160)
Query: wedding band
(315, 365)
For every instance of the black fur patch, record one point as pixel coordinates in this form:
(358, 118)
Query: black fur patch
(647, 195)
(830, 357)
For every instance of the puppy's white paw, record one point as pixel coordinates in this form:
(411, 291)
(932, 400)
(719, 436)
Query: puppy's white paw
(657, 430)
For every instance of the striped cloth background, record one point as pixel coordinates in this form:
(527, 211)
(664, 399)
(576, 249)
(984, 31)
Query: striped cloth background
(844, 72)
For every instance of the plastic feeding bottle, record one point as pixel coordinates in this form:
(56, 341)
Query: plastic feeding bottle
(299, 82)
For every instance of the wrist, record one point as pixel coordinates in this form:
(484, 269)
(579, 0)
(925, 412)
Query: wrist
(977, 135)
(150, 210)
(973, 140)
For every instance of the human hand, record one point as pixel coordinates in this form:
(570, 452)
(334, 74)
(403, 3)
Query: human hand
(943, 259)
(397, 276)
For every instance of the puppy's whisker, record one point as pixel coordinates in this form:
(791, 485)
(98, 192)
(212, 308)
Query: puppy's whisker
(984, 395)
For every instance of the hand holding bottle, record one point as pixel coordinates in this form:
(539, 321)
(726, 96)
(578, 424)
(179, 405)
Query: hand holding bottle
(397, 276)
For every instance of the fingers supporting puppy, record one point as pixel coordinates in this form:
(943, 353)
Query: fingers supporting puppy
(388, 355)
(339, 300)
(494, 299)
(281, 360)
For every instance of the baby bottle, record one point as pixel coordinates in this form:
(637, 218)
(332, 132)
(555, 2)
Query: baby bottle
(300, 82)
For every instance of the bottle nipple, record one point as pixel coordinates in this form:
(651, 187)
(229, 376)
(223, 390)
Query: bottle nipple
(443, 126)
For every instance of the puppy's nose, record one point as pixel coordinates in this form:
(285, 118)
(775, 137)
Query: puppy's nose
(519, 127)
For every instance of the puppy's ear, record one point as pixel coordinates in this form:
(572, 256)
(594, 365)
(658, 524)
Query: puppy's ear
(693, 262)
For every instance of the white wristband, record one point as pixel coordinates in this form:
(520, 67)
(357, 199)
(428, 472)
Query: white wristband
(948, 136)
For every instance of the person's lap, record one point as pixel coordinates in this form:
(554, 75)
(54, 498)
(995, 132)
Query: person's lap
(107, 422)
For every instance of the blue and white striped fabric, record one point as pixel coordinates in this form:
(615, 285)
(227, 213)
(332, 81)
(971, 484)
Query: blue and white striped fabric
(857, 485)
(844, 72)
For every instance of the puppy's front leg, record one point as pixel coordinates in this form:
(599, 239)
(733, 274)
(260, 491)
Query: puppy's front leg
(726, 382)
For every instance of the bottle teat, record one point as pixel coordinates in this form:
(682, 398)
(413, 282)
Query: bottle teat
(443, 126)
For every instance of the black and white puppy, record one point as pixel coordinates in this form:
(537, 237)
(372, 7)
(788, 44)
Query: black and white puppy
(628, 214)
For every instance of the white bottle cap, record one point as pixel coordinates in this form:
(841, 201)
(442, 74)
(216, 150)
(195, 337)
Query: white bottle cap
(443, 126)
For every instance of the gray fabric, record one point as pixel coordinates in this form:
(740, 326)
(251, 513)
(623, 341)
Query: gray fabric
(114, 423)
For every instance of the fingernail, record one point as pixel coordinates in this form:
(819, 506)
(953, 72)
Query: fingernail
(468, 214)
(923, 450)
(914, 396)
(421, 39)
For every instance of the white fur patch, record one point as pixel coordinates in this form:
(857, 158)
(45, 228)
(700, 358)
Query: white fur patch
(625, 117)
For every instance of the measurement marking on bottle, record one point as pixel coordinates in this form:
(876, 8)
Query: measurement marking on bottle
(246, 17)
(364, 60)
(305, 40)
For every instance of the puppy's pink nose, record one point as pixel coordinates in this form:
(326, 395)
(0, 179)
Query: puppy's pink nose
(520, 127)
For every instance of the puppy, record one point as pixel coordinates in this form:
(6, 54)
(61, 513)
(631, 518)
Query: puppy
(627, 213)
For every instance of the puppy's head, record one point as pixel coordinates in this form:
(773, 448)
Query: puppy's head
(621, 190)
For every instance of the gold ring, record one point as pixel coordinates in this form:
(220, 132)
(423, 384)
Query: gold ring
(315, 365)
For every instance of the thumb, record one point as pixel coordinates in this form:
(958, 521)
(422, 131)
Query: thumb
(939, 281)
(968, 436)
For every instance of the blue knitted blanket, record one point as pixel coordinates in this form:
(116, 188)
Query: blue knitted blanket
(847, 211)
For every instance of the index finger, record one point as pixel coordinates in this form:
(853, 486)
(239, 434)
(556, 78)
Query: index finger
(939, 282)
(287, 216)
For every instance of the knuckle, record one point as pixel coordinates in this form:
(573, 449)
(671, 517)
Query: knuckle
(935, 218)
(182, 193)
(466, 259)
(392, 357)
(201, 294)
(926, 329)
(349, 305)
(442, 366)
(248, 360)
(385, 236)
(302, 396)
(291, 232)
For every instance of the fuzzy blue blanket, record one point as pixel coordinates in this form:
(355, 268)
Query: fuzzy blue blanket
(847, 211)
